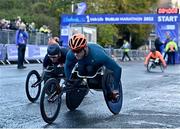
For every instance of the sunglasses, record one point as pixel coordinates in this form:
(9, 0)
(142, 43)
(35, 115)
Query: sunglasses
(77, 51)
(53, 56)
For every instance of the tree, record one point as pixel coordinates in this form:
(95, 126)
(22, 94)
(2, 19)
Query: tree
(106, 34)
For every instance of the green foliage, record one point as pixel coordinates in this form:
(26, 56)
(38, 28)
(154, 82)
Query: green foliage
(106, 34)
(50, 21)
(6, 4)
(40, 7)
(12, 13)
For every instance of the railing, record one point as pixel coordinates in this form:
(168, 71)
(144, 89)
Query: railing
(131, 53)
(8, 37)
(8, 53)
(37, 47)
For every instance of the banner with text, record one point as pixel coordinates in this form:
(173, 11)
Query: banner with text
(156, 19)
(2, 52)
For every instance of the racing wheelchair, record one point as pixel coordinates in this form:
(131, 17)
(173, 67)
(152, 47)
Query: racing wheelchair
(154, 63)
(34, 80)
(78, 88)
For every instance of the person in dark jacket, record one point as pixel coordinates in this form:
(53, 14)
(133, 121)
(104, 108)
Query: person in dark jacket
(168, 39)
(55, 56)
(158, 44)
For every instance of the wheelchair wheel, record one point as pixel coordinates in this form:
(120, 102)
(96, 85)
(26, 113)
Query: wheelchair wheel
(108, 84)
(149, 66)
(33, 89)
(50, 101)
(161, 67)
(74, 97)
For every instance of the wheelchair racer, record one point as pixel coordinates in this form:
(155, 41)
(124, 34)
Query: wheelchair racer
(55, 56)
(156, 56)
(90, 57)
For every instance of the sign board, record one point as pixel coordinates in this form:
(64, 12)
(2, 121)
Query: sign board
(33, 52)
(165, 16)
(168, 11)
(108, 19)
(2, 52)
(12, 52)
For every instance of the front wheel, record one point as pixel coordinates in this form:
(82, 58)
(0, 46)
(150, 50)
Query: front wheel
(33, 85)
(50, 101)
(75, 95)
(150, 65)
(161, 67)
(108, 84)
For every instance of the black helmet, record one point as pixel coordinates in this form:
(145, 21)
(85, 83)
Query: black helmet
(153, 49)
(53, 49)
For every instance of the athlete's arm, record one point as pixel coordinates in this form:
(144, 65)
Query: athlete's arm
(147, 58)
(109, 63)
(69, 64)
(161, 59)
(46, 61)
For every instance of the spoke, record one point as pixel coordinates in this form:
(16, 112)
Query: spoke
(33, 89)
(51, 101)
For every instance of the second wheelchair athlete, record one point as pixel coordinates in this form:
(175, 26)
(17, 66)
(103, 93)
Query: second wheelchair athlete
(56, 55)
(156, 56)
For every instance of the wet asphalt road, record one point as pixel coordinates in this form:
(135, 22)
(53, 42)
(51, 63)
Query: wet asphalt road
(151, 100)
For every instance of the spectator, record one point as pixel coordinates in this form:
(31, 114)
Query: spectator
(126, 48)
(18, 22)
(170, 49)
(44, 29)
(168, 39)
(27, 26)
(158, 44)
(21, 41)
(13, 25)
(32, 27)
(4, 24)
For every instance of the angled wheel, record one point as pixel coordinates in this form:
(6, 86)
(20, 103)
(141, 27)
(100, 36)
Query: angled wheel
(149, 66)
(108, 84)
(50, 101)
(161, 67)
(75, 96)
(33, 85)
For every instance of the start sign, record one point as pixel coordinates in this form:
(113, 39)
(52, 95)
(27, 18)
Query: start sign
(167, 18)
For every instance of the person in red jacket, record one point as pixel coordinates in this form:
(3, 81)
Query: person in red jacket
(155, 55)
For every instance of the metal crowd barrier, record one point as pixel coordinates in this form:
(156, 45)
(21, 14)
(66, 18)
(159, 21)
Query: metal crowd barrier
(35, 50)
(2, 53)
(134, 54)
(8, 37)
(9, 52)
